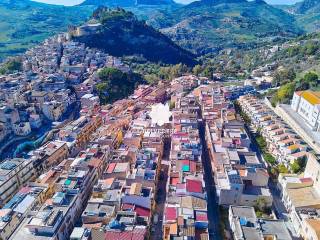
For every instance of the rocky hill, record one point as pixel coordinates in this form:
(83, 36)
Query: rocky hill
(121, 33)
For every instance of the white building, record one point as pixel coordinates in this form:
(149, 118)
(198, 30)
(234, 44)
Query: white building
(13, 174)
(21, 129)
(89, 100)
(307, 105)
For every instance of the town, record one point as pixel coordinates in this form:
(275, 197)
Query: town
(191, 158)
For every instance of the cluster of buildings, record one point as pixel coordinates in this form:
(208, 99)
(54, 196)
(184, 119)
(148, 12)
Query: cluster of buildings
(98, 176)
(241, 179)
(185, 215)
(41, 93)
(282, 141)
(301, 196)
(262, 77)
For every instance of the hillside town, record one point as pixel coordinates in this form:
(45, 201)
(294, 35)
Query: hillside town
(191, 158)
(55, 77)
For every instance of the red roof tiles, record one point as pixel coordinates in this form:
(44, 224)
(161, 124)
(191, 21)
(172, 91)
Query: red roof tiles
(171, 213)
(194, 186)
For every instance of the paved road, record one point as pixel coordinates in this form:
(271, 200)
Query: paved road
(213, 207)
(156, 233)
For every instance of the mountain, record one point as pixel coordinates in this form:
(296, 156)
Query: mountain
(120, 33)
(24, 23)
(307, 14)
(210, 25)
(307, 6)
(127, 3)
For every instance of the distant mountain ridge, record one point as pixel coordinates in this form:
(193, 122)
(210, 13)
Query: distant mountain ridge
(209, 25)
(308, 6)
(127, 3)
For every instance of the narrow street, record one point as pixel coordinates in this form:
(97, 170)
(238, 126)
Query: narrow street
(161, 194)
(213, 207)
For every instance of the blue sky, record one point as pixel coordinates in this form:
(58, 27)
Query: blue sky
(74, 2)
(268, 1)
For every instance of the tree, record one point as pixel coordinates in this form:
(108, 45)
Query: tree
(116, 84)
(311, 78)
(285, 92)
(283, 76)
(298, 165)
(197, 69)
(283, 169)
(151, 78)
(208, 71)
(261, 204)
(12, 65)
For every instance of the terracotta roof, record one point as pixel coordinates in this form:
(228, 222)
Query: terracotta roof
(143, 212)
(171, 213)
(315, 224)
(111, 167)
(173, 229)
(194, 186)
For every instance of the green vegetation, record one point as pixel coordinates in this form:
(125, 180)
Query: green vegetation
(153, 72)
(224, 216)
(261, 142)
(11, 65)
(209, 26)
(116, 84)
(284, 94)
(243, 115)
(122, 34)
(282, 168)
(298, 165)
(261, 208)
(24, 23)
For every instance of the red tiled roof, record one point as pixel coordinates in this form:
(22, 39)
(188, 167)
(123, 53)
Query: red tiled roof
(111, 167)
(126, 235)
(112, 235)
(181, 186)
(201, 216)
(25, 190)
(193, 166)
(174, 180)
(143, 212)
(194, 186)
(138, 235)
(171, 213)
(304, 180)
(127, 206)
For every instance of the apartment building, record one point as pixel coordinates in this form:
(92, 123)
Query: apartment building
(246, 226)
(13, 174)
(306, 104)
(301, 197)
(239, 175)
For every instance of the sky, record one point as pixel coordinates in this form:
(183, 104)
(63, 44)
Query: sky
(74, 2)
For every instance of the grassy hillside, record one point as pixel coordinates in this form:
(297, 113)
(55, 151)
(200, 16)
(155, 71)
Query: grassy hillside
(209, 25)
(24, 23)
